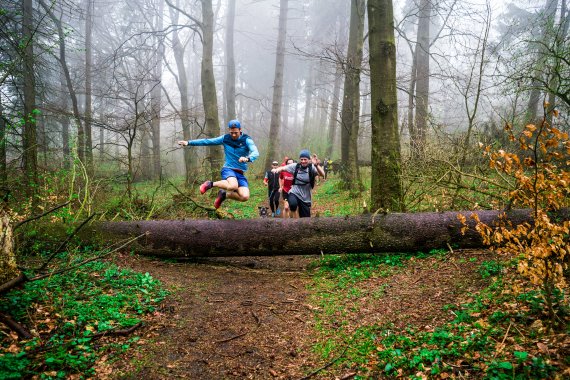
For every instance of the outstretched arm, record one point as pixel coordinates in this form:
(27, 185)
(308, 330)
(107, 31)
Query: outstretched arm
(201, 142)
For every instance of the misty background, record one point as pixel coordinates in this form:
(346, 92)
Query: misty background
(124, 80)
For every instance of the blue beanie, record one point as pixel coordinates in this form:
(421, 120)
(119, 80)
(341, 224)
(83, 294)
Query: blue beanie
(234, 124)
(305, 153)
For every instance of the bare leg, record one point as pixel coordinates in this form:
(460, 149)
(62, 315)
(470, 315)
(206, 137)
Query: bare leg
(241, 195)
(230, 184)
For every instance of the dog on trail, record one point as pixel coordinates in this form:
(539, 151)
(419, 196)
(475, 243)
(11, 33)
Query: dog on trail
(263, 213)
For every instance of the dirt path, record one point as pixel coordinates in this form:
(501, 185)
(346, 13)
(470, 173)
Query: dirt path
(249, 318)
(235, 318)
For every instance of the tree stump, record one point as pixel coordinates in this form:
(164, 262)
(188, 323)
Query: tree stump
(8, 268)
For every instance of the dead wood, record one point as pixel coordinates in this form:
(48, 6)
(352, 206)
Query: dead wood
(398, 232)
(15, 326)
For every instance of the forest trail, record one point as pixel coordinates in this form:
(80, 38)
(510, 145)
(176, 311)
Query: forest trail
(252, 317)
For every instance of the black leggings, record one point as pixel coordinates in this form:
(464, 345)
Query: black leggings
(304, 208)
(274, 200)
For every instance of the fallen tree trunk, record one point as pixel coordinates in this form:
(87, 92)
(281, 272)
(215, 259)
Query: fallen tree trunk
(403, 232)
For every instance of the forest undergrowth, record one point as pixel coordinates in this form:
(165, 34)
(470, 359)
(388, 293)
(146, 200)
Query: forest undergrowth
(515, 326)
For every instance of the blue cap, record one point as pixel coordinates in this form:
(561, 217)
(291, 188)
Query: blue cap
(305, 153)
(234, 124)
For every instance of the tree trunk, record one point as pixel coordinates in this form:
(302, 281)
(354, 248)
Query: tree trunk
(412, 130)
(156, 96)
(88, 82)
(81, 147)
(209, 87)
(190, 159)
(350, 118)
(422, 76)
(29, 145)
(386, 188)
(230, 86)
(3, 157)
(308, 106)
(8, 268)
(333, 121)
(271, 237)
(274, 126)
(536, 85)
(64, 119)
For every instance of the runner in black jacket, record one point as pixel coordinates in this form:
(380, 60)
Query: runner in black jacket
(271, 180)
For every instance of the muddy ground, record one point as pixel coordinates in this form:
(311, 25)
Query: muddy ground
(253, 318)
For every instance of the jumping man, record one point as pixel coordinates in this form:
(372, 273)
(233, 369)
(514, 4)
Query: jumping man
(239, 149)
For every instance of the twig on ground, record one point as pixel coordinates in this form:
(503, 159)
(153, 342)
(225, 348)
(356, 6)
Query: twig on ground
(15, 326)
(12, 283)
(123, 332)
(326, 365)
(232, 338)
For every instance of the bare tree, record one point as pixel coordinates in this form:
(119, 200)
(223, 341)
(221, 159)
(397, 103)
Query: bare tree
(156, 93)
(230, 85)
(88, 81)
(274, 126)
(178, 49)
(62, 58)
(422, 57)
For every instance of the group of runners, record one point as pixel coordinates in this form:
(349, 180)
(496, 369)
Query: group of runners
(292, 180)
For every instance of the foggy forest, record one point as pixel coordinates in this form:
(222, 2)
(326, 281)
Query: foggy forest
(414, 110)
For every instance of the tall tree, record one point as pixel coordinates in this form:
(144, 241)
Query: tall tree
(333, 120)
(547, 21)
(181, 76)
(62, 58)
(3, 166)
(29, 144)
(88, 81)
(274, 127)
(230, 85)
(422, 56)
(156, 93)
(209, 86)
(350, 118)
(386, 188)
(207, 80)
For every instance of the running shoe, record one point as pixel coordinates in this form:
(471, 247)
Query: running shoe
(219, 199)
(206, 186)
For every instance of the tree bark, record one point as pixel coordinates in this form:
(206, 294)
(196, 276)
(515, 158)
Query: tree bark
(3, 157)
(274, 126)
(271, 237)
(333, 121)
(422, 76)
(8, 268)
(208, 81)
(386, 187)
(230, 85)
(350, 118)
(88, 86)
(29, 145)
(178, 48)
(156, 95)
